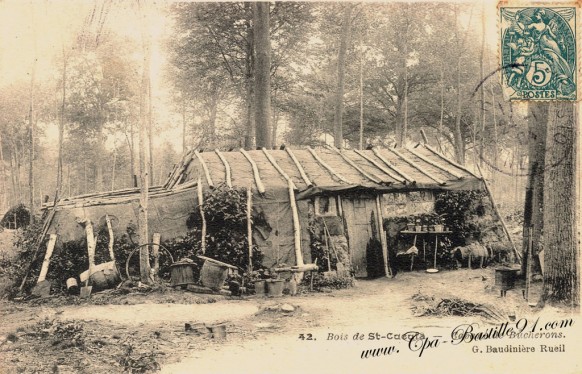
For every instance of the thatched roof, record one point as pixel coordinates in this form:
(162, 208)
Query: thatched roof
(322, 170)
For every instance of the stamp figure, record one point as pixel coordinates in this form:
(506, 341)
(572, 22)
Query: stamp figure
(538, 53)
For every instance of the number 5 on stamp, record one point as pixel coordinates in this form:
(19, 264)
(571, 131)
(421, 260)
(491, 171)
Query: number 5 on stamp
(538, 52)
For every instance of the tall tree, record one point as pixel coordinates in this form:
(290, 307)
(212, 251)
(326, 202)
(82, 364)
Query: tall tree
(341, 71)
(262, 46)
(561, 257)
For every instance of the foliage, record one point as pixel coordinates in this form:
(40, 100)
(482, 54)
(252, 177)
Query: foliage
(322, 281)
(135, 362)
(16, 267)
(458, 207)
(18, 215)
(225, 211)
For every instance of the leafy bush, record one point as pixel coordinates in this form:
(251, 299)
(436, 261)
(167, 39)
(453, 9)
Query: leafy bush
(15, 268)
(17, 217)
(225, 211)
(457, 207)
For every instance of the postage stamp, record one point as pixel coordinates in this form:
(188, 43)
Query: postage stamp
(538, 52)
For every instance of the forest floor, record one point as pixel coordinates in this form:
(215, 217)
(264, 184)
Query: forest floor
(134, 331)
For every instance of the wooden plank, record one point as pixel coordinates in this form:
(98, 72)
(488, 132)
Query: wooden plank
(47, 258)
(382, 234)
(256, 175)
(327, 167)
(358, 236)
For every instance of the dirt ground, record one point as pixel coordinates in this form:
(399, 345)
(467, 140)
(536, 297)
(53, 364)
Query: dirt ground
(145, 331)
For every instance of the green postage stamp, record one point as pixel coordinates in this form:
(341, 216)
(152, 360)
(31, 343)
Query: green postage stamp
(538, 52)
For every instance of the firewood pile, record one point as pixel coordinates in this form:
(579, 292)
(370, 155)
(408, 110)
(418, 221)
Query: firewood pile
(455, 307)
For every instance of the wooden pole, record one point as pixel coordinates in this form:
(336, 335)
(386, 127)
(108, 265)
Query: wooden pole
(382, 234)
(200, 202)
(250, 227)
(47, 258)
(90, 248)
(296, 226)
(156, 253)
(111, 238)
(503, 225)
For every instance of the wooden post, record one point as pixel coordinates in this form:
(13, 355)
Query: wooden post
(200, 201)
(296, 227)
(111, 238)
(47, 258)
(90, 248)
(156, 253)
(382, 234)
(499, 216)
(250, 227)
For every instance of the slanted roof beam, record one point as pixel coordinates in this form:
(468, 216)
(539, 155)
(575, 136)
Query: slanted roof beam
(393, 167)
(379, 166)
(304, 176)
(326, 166)
(226, 167)
(373, 178)
(205, 168)
(278, 168)
(429, 161)
(414, 165)
(257, 176)
(450, 161)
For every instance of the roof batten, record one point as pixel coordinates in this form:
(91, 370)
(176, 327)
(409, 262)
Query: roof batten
(450, 161)
(300, 168)
(393, 167)
(326, 166)
(384, 170)
(260, 186)
(411, 163)
(205, 168)
(278, 168)
(428, 161)
(227, 176)
(359, 169)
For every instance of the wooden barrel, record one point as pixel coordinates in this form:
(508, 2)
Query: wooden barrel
(181, 274)
(213, 275)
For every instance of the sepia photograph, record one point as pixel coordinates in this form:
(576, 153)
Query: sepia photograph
(290, 187)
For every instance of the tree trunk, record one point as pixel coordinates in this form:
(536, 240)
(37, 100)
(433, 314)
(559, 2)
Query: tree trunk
(481, 96)
(144, 167)
(249, 84)
(59, 187)
(533, 209)
(3, 188)
(262, 74)
(459, 143)
(561, 273)
(150, 132)
(184, 146)
(99, 160)
(341, 67)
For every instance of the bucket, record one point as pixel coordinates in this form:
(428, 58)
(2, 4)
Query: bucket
(275, 287)
(260, 287)
(72, 286)
(218, 331)
(213, 275)
(181, 274)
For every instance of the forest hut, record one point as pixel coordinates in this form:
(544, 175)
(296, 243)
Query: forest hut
(350, 190)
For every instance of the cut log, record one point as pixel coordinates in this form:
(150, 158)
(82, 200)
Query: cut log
(257, 176)
(200, 202)
(299, 167)
(327, 167)
(47, 258)
(156, 253)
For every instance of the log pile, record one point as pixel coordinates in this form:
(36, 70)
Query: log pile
(459, 307)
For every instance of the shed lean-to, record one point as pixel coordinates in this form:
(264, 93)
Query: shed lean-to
(349, 181)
